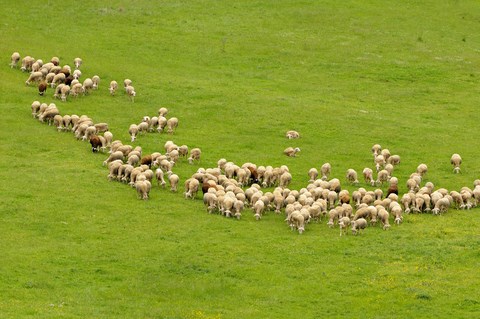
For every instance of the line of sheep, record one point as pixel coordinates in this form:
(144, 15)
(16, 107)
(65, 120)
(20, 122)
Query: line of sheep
(62, 79)
(153, 124)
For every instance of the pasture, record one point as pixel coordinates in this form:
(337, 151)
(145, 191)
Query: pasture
(238, 75)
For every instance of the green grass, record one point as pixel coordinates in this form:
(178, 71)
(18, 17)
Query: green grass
(238, 75)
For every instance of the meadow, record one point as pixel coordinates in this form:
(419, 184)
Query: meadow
(238, 75)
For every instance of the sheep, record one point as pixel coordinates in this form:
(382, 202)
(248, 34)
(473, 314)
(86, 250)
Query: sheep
(96, 143)
(297, 221)
(172, 124)
(35, 108)
(76, 74)
(422, 169)
(142, 127)
(313, 174)
(384, 216)
(210, 201)
(325, 171)
(76, 89)
(441, 206)
(456, 160)
(396, 211)
(127, 82)
(77, 62)
(292, 134)
(258, 208)
(58, 122)
(65, 90)
(194, 155)
(376, 149)
(285, 180)
(34, 77)
(173, 179)
(27, 63)
(96, 82)
(15, 58)
(117, 155)
(87, 86)
(351, 176)
(343, 223)
(113, 87)
(162, 122)
(133, 131)
(393, 160)
(333, 216)
(291, 152)
(162, 112)
(42, 87)
(159, 175)
(379, 162)
(131, 92)
(368, 176)
(49, 113)
(382, 177)
(358, 225)
(191, 188)
(143, 189)
(58, 79)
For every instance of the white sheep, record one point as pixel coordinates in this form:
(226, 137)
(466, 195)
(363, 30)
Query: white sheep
(441, 206)
(65, 90)
(172, 124)
(191, 188)
(194, 155)
(376, 149)
(325, 170)
(34, 77)
(343, 223)
(379, 162)
(76, 89)
(358, 225)
(312, 174)
(77, 62)
(131, 92)
(291, 152)
(77, 74)
(285, 180)
(27, 63)
(87, 86)
(58, 79)
(456, 160)
(422, 169)
(142, 127)
(394, 160)
(173, 179)
(383, 215)
(127, 82)
(368, 176)
(292, 134)
(15, 58)
(113, 87)
(35, 108)
(143, 188)
(352, 176)
(133, 131)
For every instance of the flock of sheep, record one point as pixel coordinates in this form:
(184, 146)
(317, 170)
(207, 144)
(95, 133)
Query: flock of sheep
(232, 190)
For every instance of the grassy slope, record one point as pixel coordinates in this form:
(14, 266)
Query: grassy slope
(238, 76)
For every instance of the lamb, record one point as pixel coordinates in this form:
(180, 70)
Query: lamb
(172, 124)
(173, 179)
(113, 87)
(143, 189)
(292, 134)
(456, 160)
(358, 225)
(131, 92)
(96, 82)
(15, 58)
(194, 155)
(352, 177)
(291, 152)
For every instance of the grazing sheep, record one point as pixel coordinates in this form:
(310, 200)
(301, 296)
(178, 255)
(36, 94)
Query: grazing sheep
(313, 174)
(285, 180)
(133, 131)
(172, 124)
(77, 74)
(117, 155)
(258, 208)
(343, 223)
(96, 143)
(382, 177)
(290, 151)
(173, 179)
(441, 206)
(131, 92)
(358, 225)
(297, 221)
(58, 79)
(113, 87)
(143, 188)
(15, 58)
(42, 87)
(379, 162)
(87, 86)
(292, 134)
(76, 89)
(456, 160)
(383, 215)
(27, 63)
(160, 177)
(325, 170)
(191, 188)
(352, 177)
(368, 176)
(376, 149)
(96, 82)
(77, 62)
(162, 111)
(194, 155)
(65, 90)
(34, 77)
(422, 169)
(127, 82)
(394, 160)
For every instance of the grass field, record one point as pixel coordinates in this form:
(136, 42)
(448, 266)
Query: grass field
(238, 75)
